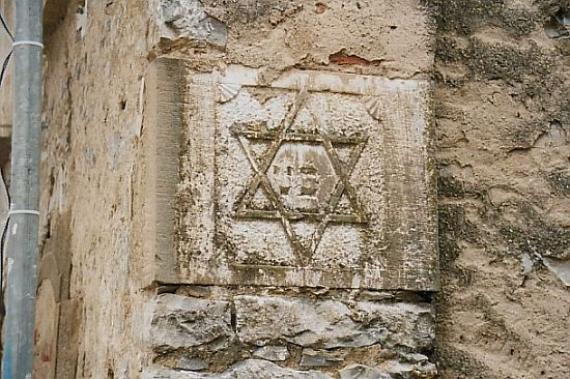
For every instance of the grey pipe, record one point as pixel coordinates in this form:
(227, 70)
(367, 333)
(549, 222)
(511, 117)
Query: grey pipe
(22, 232)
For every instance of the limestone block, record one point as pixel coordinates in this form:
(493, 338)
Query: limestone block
(363, 372)
(391, 37)
(187, 18)
(191, 364)
(310, 179)
(390, 370)
(272, 353)
(333, 324)
(314, 358)
(249, 369)
(180, 321)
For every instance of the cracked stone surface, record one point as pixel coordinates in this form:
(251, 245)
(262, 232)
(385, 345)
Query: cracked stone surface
(319, 358)
(272, 353)
(188, 18)
(180, 321)
(333, 324)
(390, 370)
(364, 67)
(248, 369)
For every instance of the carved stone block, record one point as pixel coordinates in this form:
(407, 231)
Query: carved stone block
(312, 179)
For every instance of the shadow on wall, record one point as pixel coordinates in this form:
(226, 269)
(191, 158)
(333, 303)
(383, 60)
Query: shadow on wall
(5, 158)
(54, 13)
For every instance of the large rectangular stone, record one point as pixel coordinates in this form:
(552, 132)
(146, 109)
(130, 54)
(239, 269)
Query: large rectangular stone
(182, 322)
(311, 179)
(263, 320)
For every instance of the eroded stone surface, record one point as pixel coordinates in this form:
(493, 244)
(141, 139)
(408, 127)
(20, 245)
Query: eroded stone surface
(390, 370)
(363, 372)
(108, 273)
(248, 369)
(272, 353)
(333, 324)
(191, 364)
(179, 321)
(188, 18)
(315, 358)
(311, 179)
(391, 38)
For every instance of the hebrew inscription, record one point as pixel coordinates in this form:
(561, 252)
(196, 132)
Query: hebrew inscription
(312, 179)
(299, 176)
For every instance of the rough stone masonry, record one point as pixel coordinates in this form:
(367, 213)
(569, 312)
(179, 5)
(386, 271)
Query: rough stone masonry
(238, 189)
(289, 204)
(168, 250)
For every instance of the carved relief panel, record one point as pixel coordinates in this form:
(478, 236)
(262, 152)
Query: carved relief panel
(312, 179)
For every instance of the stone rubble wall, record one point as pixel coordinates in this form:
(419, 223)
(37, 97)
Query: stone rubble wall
(269, 332)
(502, 125)
(211, 332)
(100, 318)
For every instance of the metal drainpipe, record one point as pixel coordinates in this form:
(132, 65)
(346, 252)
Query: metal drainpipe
(22, 233)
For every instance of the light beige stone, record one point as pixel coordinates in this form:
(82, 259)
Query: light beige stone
(272, 353)
(312, 179)
(115, 166)
(46, 331)
(179, 321)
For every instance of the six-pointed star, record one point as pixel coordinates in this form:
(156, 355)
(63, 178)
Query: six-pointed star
(260, 165)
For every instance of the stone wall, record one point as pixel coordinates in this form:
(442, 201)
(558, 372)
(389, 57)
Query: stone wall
(99, 315)
(242, 291)
(503, 128)
(203, 332)
(501, 113)
(89, 300)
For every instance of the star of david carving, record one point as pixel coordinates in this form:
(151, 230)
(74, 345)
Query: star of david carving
(321, 214)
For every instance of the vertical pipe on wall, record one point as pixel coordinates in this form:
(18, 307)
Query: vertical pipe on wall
(22, 232)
